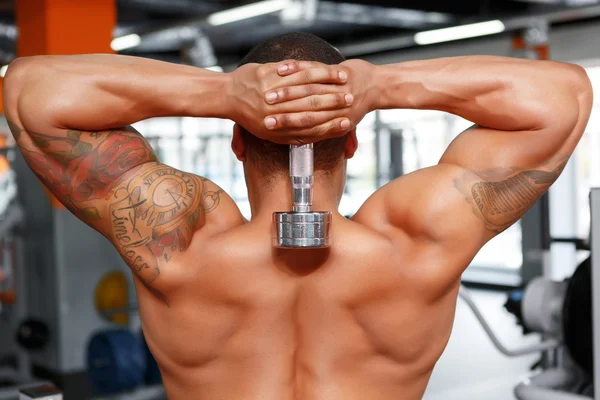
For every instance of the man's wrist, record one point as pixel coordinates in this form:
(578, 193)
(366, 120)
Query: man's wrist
(210, 95)
(226, 96)
(382, 81)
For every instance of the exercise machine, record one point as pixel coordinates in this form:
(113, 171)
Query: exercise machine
(567, 316)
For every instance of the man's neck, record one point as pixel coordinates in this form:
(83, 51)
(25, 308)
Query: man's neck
(276, 196)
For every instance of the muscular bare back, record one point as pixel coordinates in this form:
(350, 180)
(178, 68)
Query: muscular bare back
(366, 318)
(226, 315)
(249, 322)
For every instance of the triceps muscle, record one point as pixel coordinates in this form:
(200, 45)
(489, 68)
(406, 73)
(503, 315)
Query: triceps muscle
(501, 203)
(80, 168)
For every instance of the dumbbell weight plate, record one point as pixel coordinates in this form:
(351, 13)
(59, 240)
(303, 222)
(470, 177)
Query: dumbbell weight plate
(302, 229)
(577, 317)
(116, 361)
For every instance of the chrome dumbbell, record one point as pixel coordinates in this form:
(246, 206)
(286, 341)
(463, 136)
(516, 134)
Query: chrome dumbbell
(303, 227)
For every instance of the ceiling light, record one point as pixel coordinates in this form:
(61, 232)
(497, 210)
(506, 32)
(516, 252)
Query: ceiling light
(459, 32)
(125, 42)
(247, 11)
(3, 70)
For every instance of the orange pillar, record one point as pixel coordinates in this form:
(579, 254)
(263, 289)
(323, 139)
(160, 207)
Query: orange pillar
(1, 103)
(61, 27)
(65, 26)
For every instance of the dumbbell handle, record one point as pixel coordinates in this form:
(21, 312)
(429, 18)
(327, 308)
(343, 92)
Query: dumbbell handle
(302, 177)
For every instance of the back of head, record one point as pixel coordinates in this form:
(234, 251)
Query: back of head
(272, 158)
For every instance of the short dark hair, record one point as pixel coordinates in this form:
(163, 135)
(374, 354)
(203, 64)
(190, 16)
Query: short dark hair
(271, 157)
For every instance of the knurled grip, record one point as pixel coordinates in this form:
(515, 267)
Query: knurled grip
(302, 177)
(301, 160)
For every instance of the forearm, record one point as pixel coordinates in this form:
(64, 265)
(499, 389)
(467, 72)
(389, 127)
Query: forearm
(495, 92)
(99, 92)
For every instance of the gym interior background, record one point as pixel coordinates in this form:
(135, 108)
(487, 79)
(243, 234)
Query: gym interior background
(58, 299)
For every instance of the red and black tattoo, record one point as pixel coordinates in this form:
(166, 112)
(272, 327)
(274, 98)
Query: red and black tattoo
(112, 180)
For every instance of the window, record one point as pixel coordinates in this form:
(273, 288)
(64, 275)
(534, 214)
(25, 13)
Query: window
(426, 135)
(202, 146)
(587, 156)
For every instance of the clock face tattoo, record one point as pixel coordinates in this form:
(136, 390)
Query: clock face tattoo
(171, 195)
(155, 216)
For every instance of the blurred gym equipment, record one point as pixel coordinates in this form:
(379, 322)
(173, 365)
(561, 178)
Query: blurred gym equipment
(112, 294)
(16, 327)
(567, 315)
(44, 392)
(116, 361)
(120, 364)
(33, 335)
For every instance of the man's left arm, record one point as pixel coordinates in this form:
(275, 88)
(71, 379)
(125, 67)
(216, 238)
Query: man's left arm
(70, 115)
(529, 116)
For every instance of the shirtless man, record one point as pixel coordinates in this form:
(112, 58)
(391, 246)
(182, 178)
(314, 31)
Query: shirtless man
(226, 315)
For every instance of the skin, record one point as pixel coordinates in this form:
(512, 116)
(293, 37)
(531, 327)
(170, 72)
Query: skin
(226, 315)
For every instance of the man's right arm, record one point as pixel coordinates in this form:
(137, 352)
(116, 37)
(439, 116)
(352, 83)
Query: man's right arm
(529, 116)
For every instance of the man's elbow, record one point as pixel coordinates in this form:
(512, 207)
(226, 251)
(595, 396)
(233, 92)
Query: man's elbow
(574, 101)
(581, 99)
(16, 71)
(582, 87)
(13, 83)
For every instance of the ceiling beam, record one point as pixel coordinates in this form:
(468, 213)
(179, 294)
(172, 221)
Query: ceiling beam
(391, 17)
(172, 7)
(397, 42)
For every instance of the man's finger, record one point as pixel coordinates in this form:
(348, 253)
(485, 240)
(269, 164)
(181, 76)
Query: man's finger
(289, 67)
(335, 128)
(301, 120)
(299, 92)
(330, 101)
(331, 129)
(328, 74)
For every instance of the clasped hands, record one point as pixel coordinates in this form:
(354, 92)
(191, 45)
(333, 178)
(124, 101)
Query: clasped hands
(297, 102)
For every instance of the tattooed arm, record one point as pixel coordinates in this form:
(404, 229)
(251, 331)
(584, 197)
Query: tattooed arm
(113, 181)
(153, 214)
(73, 131)
(70, 116)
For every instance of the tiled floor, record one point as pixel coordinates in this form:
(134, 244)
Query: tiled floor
(471, 368)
